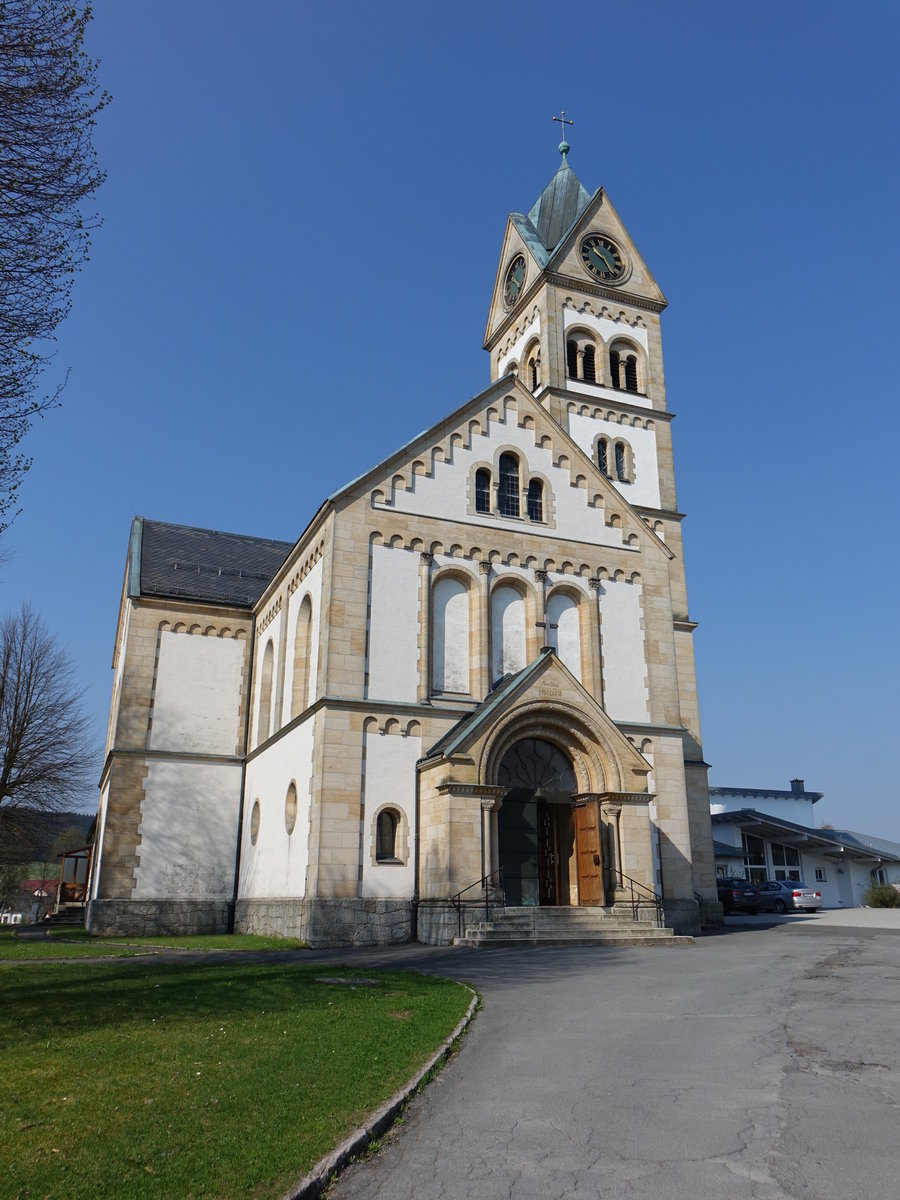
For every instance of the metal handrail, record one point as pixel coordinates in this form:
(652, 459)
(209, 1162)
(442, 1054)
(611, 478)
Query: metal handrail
(483, 882)
(641, 894)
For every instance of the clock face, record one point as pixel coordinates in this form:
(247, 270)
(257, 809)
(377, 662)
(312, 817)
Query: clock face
(602, 258)
(515, 278)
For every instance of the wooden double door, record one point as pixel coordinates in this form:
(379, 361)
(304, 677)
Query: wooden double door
(569, 835)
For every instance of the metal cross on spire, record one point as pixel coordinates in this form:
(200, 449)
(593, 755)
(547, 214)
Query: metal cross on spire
(563, 145)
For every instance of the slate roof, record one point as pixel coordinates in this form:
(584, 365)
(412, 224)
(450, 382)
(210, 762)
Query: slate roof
(182, 562)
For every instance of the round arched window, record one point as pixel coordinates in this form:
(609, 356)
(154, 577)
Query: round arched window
(290, 808)
(254, 822)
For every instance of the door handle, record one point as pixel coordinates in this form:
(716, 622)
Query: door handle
(596, 860)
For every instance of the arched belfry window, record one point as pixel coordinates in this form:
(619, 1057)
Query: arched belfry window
(572, 359)
(482, 490)
(386, 831)
(631, 376)
(534, 371)
(603, 455)
(535, 500)
(590, 365)
(623, 367)
(508, 498)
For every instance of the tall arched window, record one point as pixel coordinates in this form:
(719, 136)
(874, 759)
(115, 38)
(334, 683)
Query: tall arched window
(535, 500)
(482, 490)
(386, 830)
(565, 630)
(590, 365)
(302, 653)
(572, 359)
(509, 485)
(507, 631)
(450, 656)
(631, 376)
(266, 680)
(621, 463)
(603, 455)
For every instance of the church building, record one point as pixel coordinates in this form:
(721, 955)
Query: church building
(470, 680)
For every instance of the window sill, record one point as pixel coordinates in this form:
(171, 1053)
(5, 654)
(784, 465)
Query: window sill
(389, 862)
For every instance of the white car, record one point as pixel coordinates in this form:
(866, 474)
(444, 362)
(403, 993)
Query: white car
(790, 893)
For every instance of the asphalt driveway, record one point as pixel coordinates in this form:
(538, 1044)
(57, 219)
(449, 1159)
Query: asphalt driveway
(760, 1063)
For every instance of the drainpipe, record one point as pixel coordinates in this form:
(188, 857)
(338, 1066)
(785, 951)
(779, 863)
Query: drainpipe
(240, 827)
(414, 915)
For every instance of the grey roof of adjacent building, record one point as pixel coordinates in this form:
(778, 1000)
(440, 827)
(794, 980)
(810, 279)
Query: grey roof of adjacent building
(857, 845)
(777, 793)
(185, 563)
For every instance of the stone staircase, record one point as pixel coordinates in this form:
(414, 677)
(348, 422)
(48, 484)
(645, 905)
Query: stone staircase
(69, 916)
(566, 927)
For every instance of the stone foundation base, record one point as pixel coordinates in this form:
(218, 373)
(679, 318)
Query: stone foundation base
(148, 918)
(319, 922)
(683, 916)
(438, 921)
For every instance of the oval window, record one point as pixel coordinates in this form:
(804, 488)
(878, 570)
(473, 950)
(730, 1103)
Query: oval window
(254, 822)
(290, 808)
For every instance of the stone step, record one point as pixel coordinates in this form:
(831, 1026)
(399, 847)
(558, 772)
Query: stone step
(623, 937)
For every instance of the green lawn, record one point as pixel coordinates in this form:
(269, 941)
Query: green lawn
(75, 943)
(128, 1079)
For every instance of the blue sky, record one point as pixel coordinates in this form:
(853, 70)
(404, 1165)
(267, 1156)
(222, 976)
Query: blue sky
(303, 215)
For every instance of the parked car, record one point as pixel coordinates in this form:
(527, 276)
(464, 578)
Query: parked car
(737, 895)
(790, 894)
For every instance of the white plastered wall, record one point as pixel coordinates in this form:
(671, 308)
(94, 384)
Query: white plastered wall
(798, 810)
(188, 830)
(393, 658)
(624, 661)
(645, 488)
(390, 781)
(445, 494)
(197, 698)
(312, 587)
(276, 865)
(514, 353)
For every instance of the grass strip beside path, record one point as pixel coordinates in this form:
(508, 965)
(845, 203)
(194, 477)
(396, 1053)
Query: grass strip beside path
(76, 943)
(182, 1081)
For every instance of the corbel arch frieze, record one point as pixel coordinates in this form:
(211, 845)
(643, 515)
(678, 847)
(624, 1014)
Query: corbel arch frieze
(594, 758)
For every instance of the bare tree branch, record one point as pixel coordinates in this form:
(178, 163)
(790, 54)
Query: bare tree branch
(46, 757)
(49, 101)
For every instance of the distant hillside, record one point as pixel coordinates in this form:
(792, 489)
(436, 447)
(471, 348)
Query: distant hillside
(27, 835)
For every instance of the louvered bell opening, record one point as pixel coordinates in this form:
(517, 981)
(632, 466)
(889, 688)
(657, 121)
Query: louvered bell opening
(572, 359)
(614, 368)
(590, 365)
(631, 384)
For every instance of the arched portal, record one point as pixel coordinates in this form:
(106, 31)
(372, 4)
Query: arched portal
(536, 824)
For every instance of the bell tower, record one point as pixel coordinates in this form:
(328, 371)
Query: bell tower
(575, 314)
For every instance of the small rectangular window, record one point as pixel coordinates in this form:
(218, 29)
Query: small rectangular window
(820, 875)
